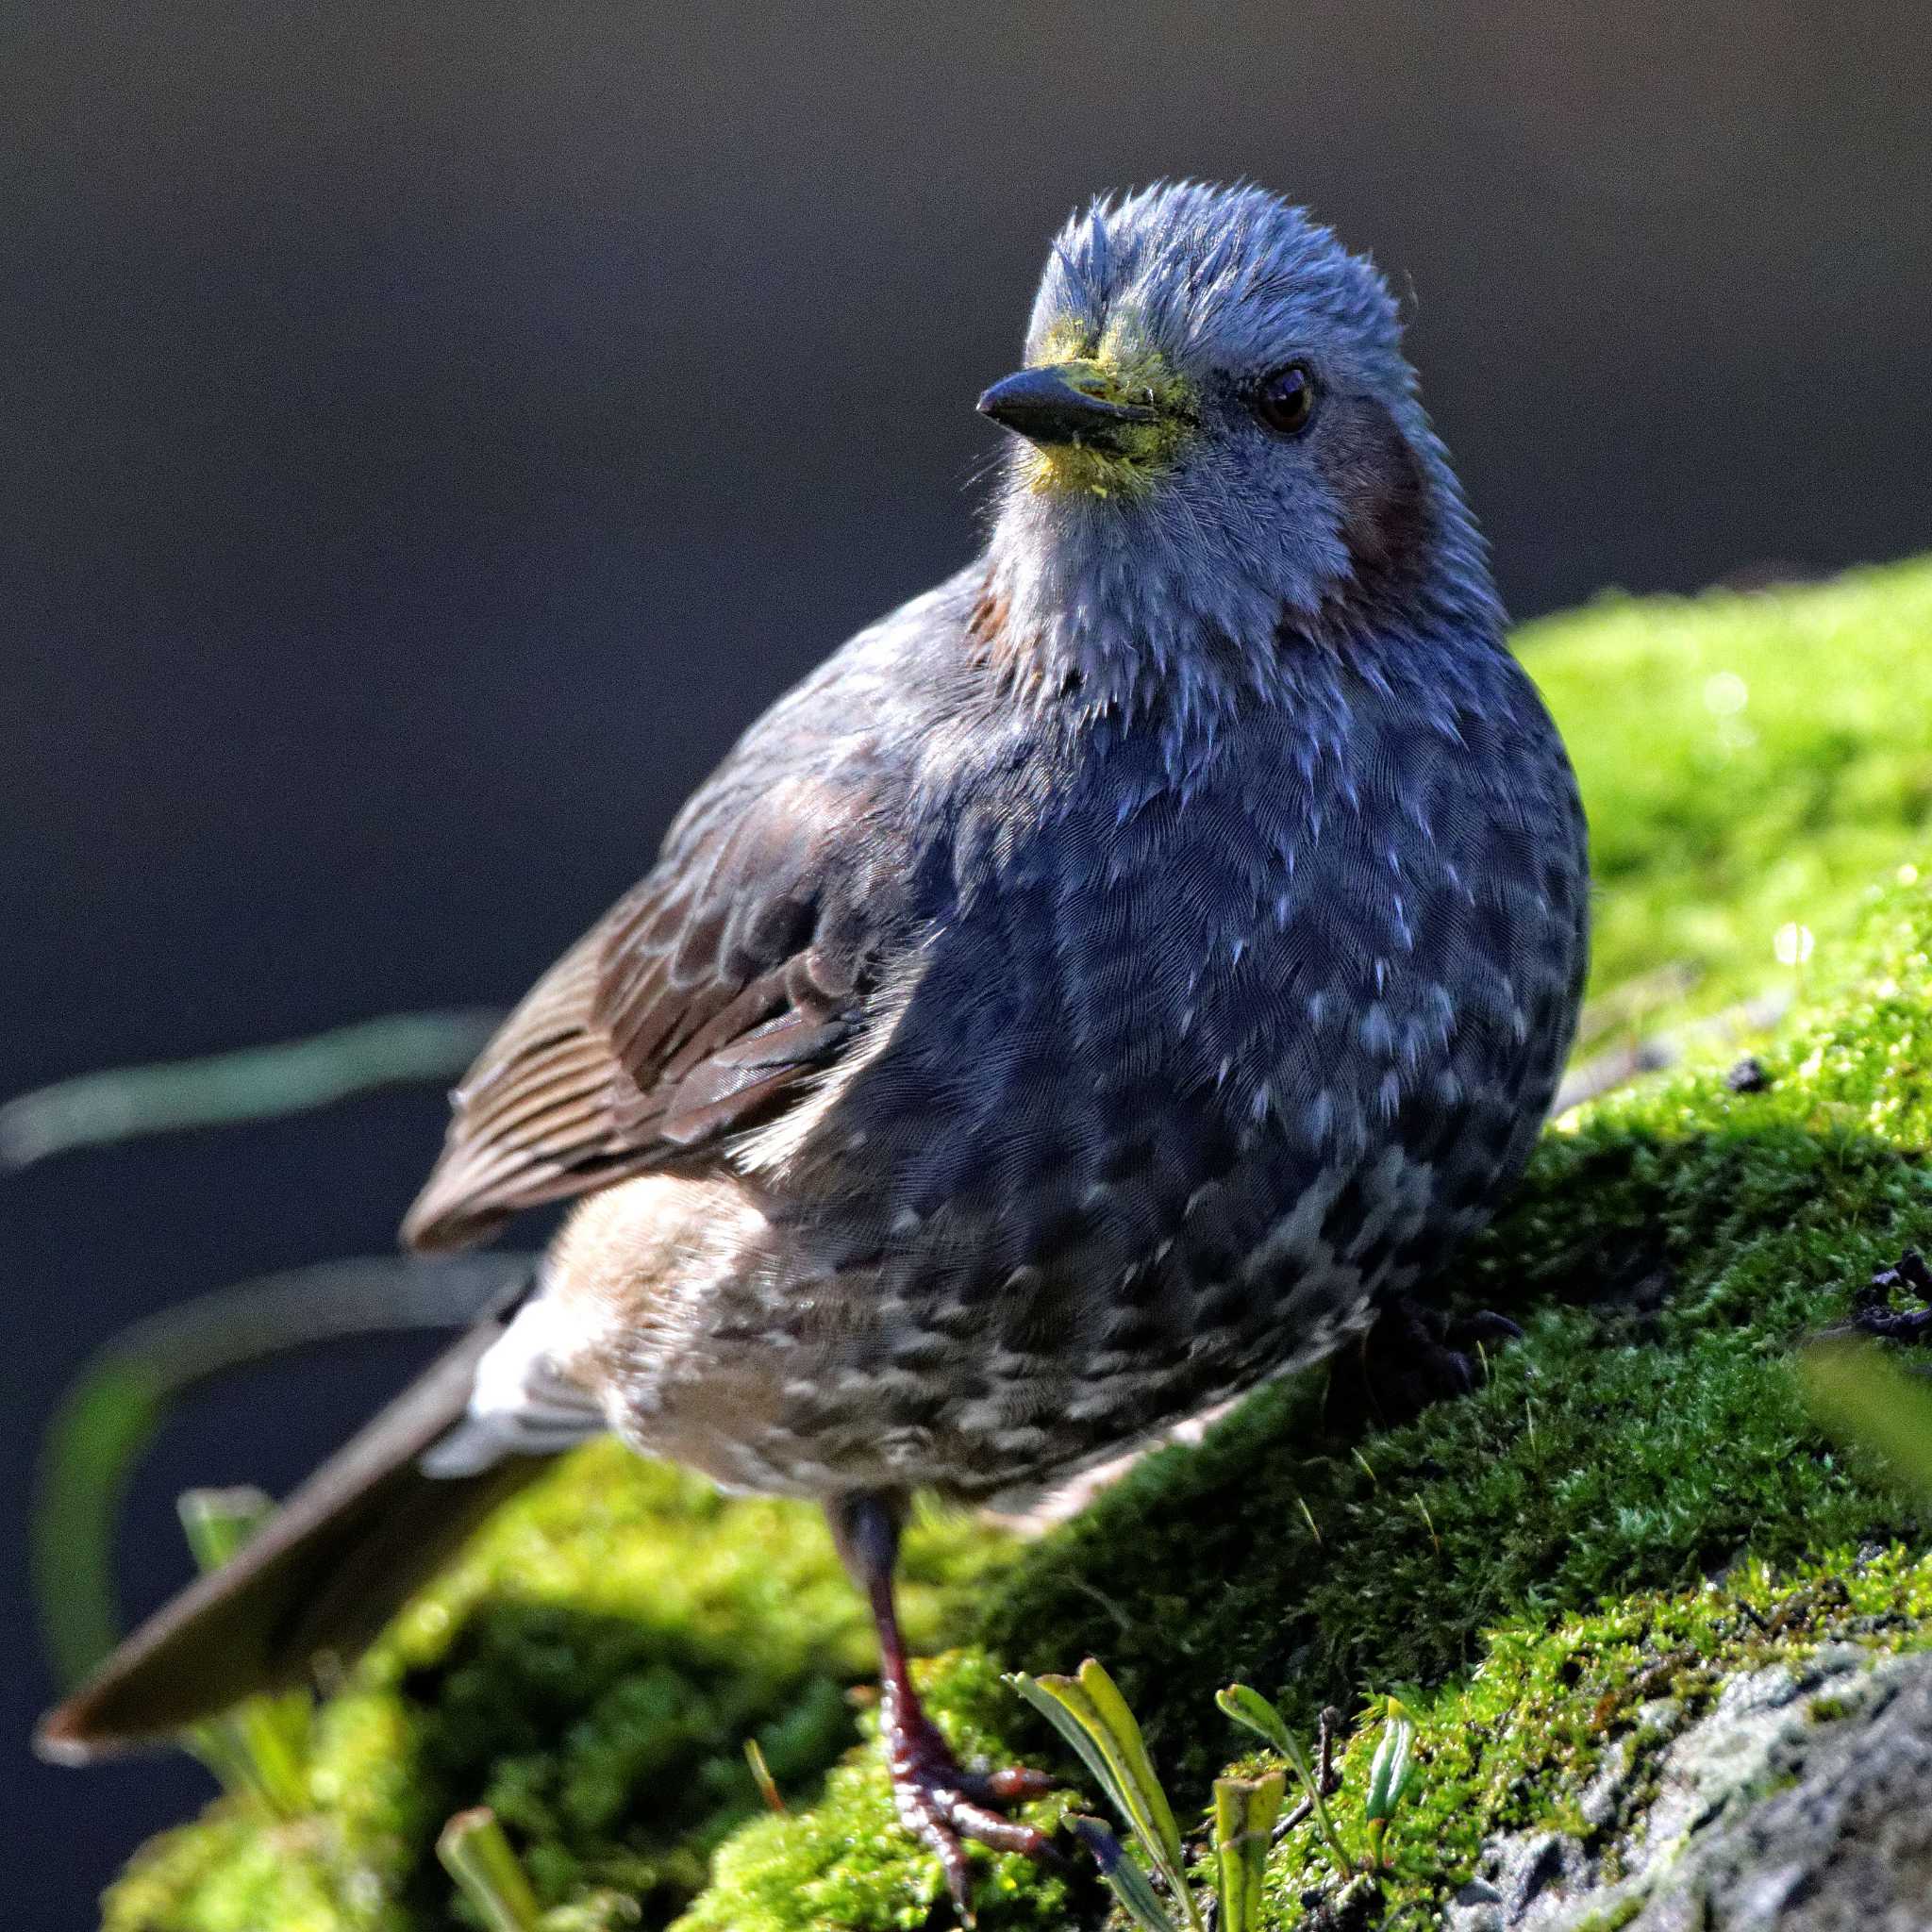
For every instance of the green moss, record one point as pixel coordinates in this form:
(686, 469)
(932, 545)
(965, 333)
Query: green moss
(1634, 1502)
(591, 1671)
(1512, 1746)
(1746, 760)
(846, 1863)
(1613, 1920)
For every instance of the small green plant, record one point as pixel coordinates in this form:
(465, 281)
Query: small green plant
(1089, 1712)
(261, 1747)
(1391, 1771)
(477, 1855)
(1244, 1814)
(1248, 1706)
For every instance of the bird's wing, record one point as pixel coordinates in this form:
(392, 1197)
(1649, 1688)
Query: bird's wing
(701, 1003)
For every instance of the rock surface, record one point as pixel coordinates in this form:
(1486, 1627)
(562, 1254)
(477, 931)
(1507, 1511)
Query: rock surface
(1801, 1803)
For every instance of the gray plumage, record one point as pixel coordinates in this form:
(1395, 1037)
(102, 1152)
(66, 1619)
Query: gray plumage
(1101, 983)
(1105, 977)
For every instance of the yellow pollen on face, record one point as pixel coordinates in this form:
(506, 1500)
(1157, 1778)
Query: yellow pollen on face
(1121, 368)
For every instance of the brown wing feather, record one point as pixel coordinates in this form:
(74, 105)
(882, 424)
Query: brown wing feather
(693, 1009)
(532, 1116)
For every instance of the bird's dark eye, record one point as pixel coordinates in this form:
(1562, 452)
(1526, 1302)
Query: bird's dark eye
(1287, 400)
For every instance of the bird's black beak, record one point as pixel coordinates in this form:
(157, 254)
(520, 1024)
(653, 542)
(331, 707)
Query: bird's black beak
(1066, 403)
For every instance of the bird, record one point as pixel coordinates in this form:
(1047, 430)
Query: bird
(1102, 986)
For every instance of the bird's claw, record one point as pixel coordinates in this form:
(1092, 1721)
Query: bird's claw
(1893, 1325)
(1417, 1354)
(1875, 1316)
(946, 1807)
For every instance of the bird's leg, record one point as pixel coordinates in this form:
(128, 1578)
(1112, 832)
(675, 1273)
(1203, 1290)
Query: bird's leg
(938, 1803)
(1415, 1355)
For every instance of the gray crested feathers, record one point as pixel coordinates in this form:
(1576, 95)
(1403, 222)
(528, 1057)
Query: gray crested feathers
(1361, 532)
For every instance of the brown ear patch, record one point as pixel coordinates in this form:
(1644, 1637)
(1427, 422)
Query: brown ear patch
(1382, 493)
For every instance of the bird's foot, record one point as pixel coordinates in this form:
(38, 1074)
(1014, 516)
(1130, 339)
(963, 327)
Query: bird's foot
(942, 1804)
(1874, 1314)
(946, 1807)
(1416, 1354)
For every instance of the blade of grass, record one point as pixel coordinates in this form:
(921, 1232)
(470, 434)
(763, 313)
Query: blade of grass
(1126, 1879)
(1860, 1395)
(1091, 1714)
(479, 1858)
(1125, 1730)
(252, 1084)
(262, 1745)
(761, 1776)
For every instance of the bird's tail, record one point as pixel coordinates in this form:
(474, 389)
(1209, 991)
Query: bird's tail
(323, 1574)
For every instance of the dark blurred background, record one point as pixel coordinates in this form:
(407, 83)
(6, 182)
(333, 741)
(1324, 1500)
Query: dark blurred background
(430, 434)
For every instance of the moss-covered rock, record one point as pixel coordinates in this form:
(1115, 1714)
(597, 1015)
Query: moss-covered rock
(1746, 761)
(1633, 1506)
(1794, 1797)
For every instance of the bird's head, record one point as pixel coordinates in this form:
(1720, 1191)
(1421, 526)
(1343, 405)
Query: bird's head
(1215, 427)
